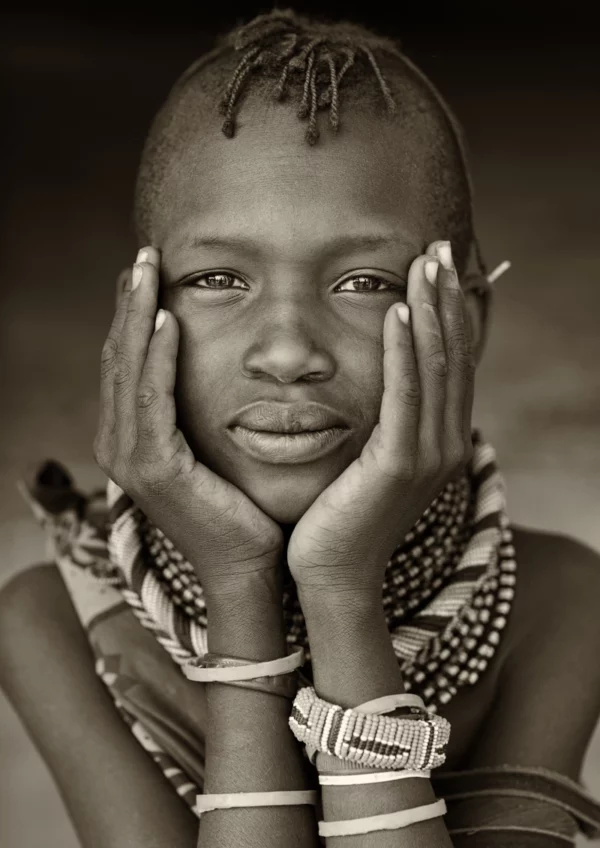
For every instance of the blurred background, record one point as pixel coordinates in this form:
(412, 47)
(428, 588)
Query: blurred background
(80, 87)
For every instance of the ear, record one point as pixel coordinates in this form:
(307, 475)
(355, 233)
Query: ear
(123, 282)
(478, 296)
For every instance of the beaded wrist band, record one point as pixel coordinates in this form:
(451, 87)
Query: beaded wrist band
(369, 739)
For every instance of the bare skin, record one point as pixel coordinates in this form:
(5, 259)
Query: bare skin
(35, 609)
(281, 319)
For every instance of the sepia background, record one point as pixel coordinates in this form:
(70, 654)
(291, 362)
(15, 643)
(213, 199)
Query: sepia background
(79, 92)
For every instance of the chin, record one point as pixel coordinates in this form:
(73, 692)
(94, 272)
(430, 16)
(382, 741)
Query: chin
(286, 494)
(285, 503)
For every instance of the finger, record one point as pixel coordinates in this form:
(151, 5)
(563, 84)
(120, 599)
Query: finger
(123, 284)
(135, 337)
(156, 413)
(109, 355)
(149, 254)
(469, 394)
(400, 404)
(430, 351)
(459, 382)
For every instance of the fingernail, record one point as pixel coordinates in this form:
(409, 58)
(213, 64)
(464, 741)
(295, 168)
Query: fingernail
(445, 253)
(138, 273)
(431, 269)
(160, 319)
(142, 255)
(403, 312)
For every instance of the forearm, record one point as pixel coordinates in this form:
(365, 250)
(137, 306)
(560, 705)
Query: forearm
(353, 661)
(249, 745)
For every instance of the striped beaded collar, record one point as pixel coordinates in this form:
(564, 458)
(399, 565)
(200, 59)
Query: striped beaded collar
(447, 591)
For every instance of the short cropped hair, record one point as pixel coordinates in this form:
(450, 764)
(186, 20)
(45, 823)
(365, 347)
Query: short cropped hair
(314, 62)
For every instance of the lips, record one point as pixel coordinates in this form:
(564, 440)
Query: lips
(288, 434)
(272, 417)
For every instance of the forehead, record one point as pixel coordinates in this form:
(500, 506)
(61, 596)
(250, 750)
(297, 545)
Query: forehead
(268, 179)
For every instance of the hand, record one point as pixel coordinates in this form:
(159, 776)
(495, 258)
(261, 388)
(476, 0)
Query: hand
(343, 542)
(213, 524)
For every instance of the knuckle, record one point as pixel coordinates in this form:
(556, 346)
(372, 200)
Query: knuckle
(122, 373)
(410, 393)
(108, 358)
(437, 365)
(154, 476)
(432, 464)
(455, 302)
(459, 350)
(398, 469)
(147, 398)
(456, 456)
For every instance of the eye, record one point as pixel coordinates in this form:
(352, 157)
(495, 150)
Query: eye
(367, 283)
(217, 281)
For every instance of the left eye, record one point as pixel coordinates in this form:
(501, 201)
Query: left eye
(219, 280)
(365, 283)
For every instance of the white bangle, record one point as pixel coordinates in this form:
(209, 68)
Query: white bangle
(207, 803)
(387, 821)
(194, 669)
(389, 703)
(377, 777)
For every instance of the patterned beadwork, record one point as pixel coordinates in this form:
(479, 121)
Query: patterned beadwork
(447, 593)
(367, 738)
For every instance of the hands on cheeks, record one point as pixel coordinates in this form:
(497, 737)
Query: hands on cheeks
(343, 542)
(139, 446)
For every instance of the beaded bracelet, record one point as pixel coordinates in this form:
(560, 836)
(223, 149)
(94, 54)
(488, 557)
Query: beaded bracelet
(369, 739)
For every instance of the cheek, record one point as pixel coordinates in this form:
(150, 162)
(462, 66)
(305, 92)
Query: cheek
(211, 387)
(204, 396)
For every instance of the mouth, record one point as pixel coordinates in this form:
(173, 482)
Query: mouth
(288, 448)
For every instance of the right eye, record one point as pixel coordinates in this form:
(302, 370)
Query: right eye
(217, 280)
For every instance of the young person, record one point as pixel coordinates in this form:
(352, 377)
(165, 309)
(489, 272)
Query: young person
(300, 613)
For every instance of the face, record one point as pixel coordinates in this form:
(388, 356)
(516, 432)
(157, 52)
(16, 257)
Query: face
(279, 261)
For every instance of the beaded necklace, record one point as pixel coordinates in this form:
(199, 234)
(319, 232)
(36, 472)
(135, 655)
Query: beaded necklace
(446, 595)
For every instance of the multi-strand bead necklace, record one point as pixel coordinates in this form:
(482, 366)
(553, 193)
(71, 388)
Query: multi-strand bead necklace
(446, 595)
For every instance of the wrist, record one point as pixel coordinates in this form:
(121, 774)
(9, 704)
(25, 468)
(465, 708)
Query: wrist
(340, 608)
(246, 619)
(352, 655)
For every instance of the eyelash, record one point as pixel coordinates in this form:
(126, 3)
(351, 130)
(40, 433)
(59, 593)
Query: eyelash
(390, 286)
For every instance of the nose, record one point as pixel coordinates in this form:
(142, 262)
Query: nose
(288, 344)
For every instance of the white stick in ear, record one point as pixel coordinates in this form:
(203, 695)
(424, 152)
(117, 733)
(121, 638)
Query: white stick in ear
(497, 272)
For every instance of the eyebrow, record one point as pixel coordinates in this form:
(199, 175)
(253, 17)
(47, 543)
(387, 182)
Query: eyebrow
(332, 247)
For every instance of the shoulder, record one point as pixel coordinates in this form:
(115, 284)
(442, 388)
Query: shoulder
(41, 638)
(558, 582)
(33, 601)
(47, 672)
(27, 599)
(548, 696)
